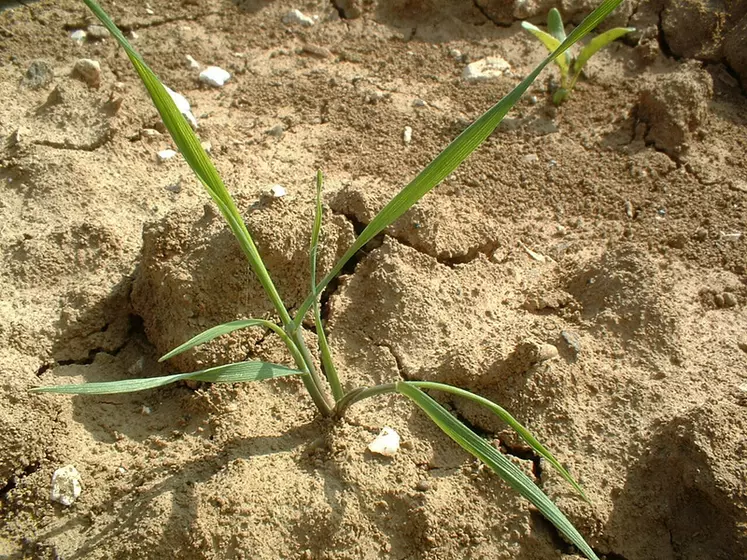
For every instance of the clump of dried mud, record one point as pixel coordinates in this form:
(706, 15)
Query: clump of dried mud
(586, 270)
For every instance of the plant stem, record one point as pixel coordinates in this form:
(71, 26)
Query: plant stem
(312, 381)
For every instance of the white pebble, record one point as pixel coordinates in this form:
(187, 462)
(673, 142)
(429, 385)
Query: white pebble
(735, 236)
(89, 70)
(486, 69)
(296, 16)
(165, 155)
(78, 35)
(407, 135)
(193, 64)
(66, 485)
(278, 191)
(183, 105)
(214, 76)
(149, 133)
(386, 443)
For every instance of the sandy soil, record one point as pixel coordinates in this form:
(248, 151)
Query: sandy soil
(612, 228)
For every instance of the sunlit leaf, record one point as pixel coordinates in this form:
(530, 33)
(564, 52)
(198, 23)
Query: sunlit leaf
(556, 28)
(599, 42)
(551, 43)
(506, 417)
(239, 372)
(215, 332)
(514, 477)
(324, 351)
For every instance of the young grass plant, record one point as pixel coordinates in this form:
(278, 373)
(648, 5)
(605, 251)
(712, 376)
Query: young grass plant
(330, 398)
(570, 67)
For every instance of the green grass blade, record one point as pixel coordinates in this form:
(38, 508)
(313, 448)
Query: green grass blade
(551, 43)
(326, 355)
(509, 472)
(239, 372)
(195, 155)
(557, 29)
(506, 417)
(599, 42)
(451, 157)
(220, 330)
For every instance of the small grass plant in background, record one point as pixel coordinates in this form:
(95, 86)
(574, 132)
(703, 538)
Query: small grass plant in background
(323, 383)
(570, 67)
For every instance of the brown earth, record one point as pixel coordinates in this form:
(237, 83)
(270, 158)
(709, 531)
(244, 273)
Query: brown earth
(611, 229)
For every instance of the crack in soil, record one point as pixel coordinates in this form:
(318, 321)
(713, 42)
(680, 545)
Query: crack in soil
(135, 327)
(397, 360)
(524, 453)
(13, 481)
(93, 146)
(338, 9)
(128, 27)
(486, 248)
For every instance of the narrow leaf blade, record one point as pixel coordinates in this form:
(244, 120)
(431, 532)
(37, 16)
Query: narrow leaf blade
(557, 29)
(506, 417)
(551, 43)
(215, 332)
(555, 25)
(509, 472)
(325, 353)
(239, 372)
(599, 42)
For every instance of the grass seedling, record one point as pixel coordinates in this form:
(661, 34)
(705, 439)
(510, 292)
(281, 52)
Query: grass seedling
(570, 66)
(329, 397)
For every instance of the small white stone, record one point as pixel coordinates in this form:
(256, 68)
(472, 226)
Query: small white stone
(149, 133)
(89, 70)
(146, 411)
(407, 135)
(165, 155)
(66, 485)
(278, 191)
(531, 158)
(733, 236)
(193, 64)
(296, 16)
(486, 69)
(419, 103)
(183, 105)
(78, 35)
(386, 443)
(214, 76)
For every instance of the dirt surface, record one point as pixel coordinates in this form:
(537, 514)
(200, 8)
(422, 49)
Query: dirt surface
(586, 269)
